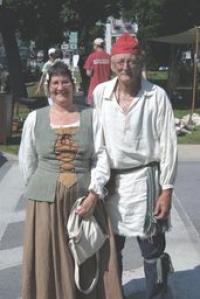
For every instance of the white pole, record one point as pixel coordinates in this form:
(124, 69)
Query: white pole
(195, 74)
(108, 38)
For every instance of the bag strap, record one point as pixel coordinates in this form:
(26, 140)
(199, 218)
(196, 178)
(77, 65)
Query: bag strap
(94, 281)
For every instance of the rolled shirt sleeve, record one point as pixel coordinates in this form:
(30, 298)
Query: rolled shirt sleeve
(100, 171)
(27, 151)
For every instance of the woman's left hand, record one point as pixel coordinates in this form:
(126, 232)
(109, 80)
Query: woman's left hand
(87, 207)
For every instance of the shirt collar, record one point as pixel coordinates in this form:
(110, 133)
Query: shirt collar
(147, 88)
(110, 89)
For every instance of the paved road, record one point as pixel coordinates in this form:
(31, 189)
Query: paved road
(183, 240)
(188, 190)
(11, 225)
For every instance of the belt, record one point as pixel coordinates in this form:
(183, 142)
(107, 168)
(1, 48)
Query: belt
(132, 169)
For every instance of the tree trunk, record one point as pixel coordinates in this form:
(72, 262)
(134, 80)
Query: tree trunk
(7, 28)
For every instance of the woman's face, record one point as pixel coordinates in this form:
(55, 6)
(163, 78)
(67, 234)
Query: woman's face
(61, 90)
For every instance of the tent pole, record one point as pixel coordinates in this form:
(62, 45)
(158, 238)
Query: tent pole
(195, 73)
(172, 73)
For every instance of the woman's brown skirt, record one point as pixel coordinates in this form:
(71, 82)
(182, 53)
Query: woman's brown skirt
(48, 267)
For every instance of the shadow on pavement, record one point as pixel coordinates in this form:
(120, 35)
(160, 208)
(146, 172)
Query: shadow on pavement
(134, 289)
(140, 295)
(182, 285)
(185, 284)
(10, 280)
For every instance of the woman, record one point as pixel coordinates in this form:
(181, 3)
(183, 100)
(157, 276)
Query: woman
(60, 162)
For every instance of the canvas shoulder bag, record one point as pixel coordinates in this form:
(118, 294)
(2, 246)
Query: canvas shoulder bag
(85, 240)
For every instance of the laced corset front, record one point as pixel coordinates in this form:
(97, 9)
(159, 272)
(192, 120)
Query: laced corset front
(66, 150)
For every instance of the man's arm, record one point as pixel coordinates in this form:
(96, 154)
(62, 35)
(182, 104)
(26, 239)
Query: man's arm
(40, 84)
(168, 156)
(88, 66)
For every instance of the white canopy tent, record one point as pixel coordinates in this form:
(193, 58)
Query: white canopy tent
(191, 36)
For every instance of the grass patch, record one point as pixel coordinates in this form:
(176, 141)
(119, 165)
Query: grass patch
(157, 75)
(193, 138)
(21, 112)
(179, 113)
(31, 89)
(10, 149)
(12, 146)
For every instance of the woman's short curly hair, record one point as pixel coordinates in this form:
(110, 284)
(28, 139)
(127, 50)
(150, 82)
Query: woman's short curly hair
(59, 68)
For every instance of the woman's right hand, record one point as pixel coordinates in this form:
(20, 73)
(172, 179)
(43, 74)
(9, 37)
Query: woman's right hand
(87, 207)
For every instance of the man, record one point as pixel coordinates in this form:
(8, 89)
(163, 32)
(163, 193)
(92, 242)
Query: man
(140, 138)
(82, 58)
(43, 82)
(97, 66)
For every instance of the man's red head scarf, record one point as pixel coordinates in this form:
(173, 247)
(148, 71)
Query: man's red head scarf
(126, 44)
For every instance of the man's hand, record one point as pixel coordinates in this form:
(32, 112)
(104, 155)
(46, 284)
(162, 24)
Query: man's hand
(163, 205)
(88, 205)
(89, 73)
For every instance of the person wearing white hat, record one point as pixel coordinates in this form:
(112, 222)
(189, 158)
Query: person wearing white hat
(97, 66)
(45, 68)
(51, 51)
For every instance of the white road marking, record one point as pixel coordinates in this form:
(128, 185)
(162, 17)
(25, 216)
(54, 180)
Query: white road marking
(10, 257)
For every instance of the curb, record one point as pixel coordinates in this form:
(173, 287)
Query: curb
(8, 156)
(189, 152)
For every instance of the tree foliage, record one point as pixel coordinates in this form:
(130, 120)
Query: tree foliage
(38, 20)
(82, 15)
(179, 15)
(159, 17)
(45, 21)
(147, 13)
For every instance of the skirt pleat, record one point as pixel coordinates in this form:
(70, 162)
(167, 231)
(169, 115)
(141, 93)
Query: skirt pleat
(48, 267)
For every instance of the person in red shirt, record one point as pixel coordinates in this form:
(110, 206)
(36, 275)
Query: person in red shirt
(97, 67)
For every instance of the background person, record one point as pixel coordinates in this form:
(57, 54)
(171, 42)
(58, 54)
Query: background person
(141, 141)
(84, 78)
(61, 157)
(43, 80)
(97, 67)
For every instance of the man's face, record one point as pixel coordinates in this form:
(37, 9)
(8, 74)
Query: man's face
(127, 67)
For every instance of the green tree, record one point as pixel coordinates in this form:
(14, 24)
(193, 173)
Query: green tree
(38, 20)
(161, 17)
(82, 15)
(179, 15)
(7, 30)
(147, 14)
(45, 21)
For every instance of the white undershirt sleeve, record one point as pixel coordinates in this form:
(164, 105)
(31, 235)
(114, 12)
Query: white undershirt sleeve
(168, 144)
(27, 151)
(100, 171)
